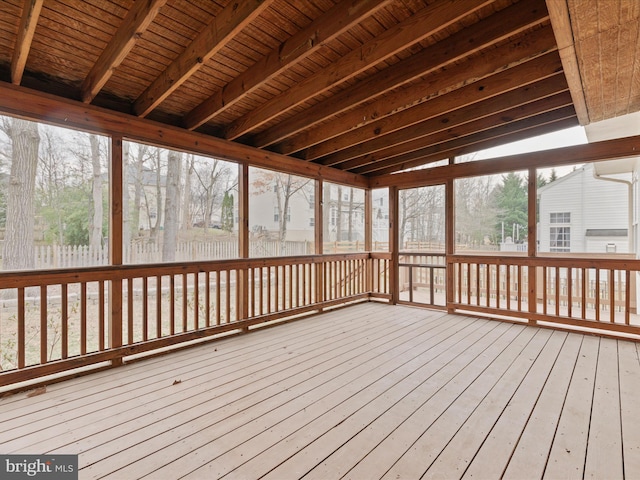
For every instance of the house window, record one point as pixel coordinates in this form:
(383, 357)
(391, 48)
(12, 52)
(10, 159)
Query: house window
(560, 239)
(312, 221)
(334, 216)
(560, 217)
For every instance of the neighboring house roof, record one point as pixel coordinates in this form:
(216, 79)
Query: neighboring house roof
(558, 181)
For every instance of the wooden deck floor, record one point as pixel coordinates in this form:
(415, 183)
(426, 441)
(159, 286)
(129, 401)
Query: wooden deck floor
(370, 391)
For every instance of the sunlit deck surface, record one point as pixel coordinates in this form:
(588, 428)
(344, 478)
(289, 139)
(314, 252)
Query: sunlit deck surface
(368, 391)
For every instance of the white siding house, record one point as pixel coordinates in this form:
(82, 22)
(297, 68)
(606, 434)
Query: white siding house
(584, 212)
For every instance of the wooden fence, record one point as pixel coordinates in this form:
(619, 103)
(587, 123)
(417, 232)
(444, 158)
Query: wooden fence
(79, 256)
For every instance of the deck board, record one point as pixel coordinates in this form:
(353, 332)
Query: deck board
(368, 391)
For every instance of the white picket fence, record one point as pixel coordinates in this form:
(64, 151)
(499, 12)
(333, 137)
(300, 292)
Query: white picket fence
(66, 256)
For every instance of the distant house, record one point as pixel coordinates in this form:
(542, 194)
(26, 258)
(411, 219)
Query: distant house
(586, 211)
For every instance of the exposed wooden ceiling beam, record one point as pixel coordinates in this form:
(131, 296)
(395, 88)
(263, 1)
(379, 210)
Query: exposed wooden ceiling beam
(561, 23)
(590, 152)
(28, 22)
(296, 48)
(489, 31)
(228, 23)
(133, 26)
(490, 62)
(416, 28)
(536, 125)
(395, 154)
(416, 129)
(510, 79)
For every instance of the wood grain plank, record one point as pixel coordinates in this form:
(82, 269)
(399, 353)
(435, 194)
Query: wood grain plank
(462, 447)
(568, 451)
(530, 457)
(629, 371)
(604, 447)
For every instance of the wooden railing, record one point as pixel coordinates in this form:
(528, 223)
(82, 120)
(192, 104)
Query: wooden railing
(422, 278)
(54, 321)
(585, 292)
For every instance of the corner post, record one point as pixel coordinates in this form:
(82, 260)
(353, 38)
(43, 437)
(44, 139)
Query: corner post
(243, 242)
(532, 241)
(116, 193)
(450, 240)
(394, 240)
(319, 238)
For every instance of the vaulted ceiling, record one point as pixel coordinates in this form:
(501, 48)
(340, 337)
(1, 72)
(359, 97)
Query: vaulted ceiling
(367, 86)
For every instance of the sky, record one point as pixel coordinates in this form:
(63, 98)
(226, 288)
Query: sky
(561, 138)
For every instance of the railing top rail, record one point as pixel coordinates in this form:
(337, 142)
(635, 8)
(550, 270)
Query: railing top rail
(545, 261)
(31, 278)
(421, 253)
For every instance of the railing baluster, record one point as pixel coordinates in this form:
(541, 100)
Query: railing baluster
(43, 324)
(196, 301)
(172, 305)
(508, 286)
(185, 305)
(277, 289)
(557, 292)
(158, 306)
(207, 297)
(83, 318)
(627, 297)
(597, 295)
(228, 296)
(130, 302)
(102, 319)
(145, 308)
(217, 297)
(612, 297)
(569, 291)
(64, 312)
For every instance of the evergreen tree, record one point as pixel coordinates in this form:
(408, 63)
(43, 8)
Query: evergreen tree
(227, 212)
(511, 200)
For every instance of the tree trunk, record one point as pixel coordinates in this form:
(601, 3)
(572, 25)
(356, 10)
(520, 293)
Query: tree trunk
(137, 194)
(350, 227)
(339, 216)
(95, 224)
(186, 197)
(19, 251)
(126, 213)
(171, 208)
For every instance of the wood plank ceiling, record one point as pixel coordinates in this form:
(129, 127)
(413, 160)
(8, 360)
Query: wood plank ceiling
(367, 86)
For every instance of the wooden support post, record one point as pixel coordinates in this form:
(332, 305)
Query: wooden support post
(394, 239)
(450, 240)
(116, 193)
(368, 233)
(243, 245)
(319, 238)
(532, 192)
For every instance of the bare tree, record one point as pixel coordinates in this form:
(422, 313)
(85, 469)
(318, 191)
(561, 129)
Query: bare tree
(187, 220)
(126, 217)
(171, 207)
(95, 223)
(18, 250)
(284, 186)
